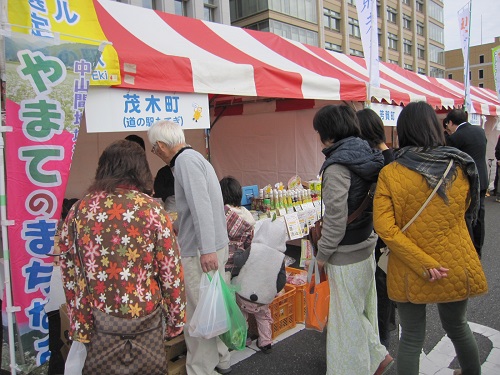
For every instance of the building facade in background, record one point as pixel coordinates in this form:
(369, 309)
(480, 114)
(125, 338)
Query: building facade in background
(411, 32)
(480, 65)
(208, 10)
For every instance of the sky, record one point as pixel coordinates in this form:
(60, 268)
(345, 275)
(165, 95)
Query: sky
(488, 9)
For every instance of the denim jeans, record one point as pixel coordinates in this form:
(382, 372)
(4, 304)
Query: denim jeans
(453, 317)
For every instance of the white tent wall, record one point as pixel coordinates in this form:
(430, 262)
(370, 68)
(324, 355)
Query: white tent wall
(89, 147)
(266, 148)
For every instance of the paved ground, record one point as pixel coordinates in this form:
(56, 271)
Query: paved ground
(303, 352)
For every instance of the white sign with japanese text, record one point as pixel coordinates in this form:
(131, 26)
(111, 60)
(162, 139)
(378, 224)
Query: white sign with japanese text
(124, 110)
(388, 113)
(367, 16)
(464, 23)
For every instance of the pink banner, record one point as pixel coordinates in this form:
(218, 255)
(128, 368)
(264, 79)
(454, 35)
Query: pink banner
(46, 92)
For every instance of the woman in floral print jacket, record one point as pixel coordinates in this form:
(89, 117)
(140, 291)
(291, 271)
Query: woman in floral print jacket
(131, 257)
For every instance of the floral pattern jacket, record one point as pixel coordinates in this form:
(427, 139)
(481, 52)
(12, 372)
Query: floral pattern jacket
(131, 258)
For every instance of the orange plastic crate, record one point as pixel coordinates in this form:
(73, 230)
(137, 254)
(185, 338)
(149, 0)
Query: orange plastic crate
(300, 298)
(283, 312)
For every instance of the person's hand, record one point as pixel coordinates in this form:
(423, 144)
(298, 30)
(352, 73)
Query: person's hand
(321, 264)
(437, 273)
(209, 262)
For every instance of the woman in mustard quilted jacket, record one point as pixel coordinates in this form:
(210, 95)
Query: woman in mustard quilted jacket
(434, 260)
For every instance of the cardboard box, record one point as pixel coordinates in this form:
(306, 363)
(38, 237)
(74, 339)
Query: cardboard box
(177, 366)
(175, 347)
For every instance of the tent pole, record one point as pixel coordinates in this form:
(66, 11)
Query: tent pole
(6, 257)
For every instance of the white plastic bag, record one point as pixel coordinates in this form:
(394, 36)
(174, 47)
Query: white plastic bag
(209, 318)
(76, 359)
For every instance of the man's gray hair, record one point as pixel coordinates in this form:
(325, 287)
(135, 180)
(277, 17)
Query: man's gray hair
(167, 132)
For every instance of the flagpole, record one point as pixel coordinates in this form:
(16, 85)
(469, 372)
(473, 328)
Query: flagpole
(468, 61)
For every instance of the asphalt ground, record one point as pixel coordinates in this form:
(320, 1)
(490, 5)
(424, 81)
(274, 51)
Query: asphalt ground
(304, 351)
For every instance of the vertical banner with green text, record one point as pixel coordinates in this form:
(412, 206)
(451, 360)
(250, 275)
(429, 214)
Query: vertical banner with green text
(47, 87)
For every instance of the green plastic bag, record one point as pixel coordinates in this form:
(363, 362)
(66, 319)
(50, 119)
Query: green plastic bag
(236, 337)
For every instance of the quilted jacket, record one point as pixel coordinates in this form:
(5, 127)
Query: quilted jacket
(437, 238)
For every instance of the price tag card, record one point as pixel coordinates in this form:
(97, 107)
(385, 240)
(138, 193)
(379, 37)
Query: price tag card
(311, 217)
(281, 211)
(306, 252)
(308, 206)
(293, 226)
(318, 213)
(303, 216)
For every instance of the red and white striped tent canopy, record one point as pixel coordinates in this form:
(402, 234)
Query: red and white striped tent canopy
(165, 52)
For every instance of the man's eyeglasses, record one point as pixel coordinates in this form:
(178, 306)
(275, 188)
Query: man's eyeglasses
(155, 147)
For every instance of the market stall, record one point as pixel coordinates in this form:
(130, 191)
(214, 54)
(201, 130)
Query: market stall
(260, 93)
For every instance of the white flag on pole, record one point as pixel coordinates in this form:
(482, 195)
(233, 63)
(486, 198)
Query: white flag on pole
(464, 24)
(496, 68)
(367, 16)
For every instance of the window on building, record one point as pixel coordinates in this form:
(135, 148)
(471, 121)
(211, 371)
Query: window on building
(209, 10)
(355, 52)
(481, 59)
(392, 41)
(180, 7)
(481, 74)
(352, 2)
(379, 37)
(331, 19)
(436, 54)
(407, 2)
(333, 47)
(407, 46)
(146, 4)
(302, 9)
(481, 85)
(407, 21)
(354, 28)
(420, 28)
(420, 6)
(296, 33)
(394, 62)
(450, 76)
(420, 51)
(436, 72)
(392, 15)
(260, 26)
(435, 11)
(436, 33)
(244, 8)
(421, 71)
(408, 67)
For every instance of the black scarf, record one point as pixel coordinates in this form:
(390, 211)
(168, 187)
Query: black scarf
(431, 164)
(357, 155)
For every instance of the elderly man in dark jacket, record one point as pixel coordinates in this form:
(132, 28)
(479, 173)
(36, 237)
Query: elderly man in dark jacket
(497, 156)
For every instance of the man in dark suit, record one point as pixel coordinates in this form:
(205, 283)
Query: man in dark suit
(497, 174)
(471, 139)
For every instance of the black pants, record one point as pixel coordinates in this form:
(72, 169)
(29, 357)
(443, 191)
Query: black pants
(385, 307)
(56, 361)
(495, 184)
(477, 231)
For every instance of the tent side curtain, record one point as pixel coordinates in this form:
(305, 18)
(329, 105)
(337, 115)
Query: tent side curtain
(165, 52)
